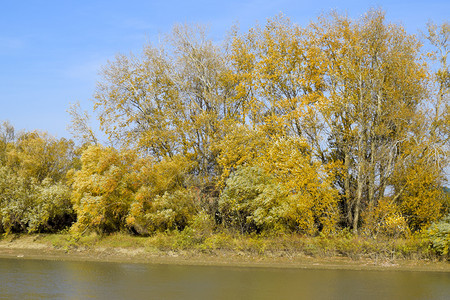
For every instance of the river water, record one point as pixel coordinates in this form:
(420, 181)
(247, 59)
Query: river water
(43, 279)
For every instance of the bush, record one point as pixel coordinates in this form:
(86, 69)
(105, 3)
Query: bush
(202, 224)
(103, 189)
(160, 199)
(385, 219)
(170, 211)
(312, 200)
(439, 236)
(291, 195)
(29, 206)
(52, 209)
(252, 201)
(16, 201)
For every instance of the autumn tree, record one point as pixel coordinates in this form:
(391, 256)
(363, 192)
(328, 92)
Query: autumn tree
(172, 100)
(376, 83)
(280, 77)
(103, 189)
(38, 155)
(7, 136)
(439, 38)
(34, 195)
(80, 127)
(334, 110)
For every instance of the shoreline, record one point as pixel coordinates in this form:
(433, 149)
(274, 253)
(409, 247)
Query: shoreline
(30, 247)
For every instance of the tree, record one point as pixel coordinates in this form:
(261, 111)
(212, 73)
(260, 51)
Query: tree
(7, 136)
(38, 155)
(375, 85)
(34, 195)
(438, 144)
(80, 127)
(339, 107)
(173, 100)
(279, 72)
(102, 191)
(164, 198)
(439, 38)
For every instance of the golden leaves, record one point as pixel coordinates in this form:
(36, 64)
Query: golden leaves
(328, 112)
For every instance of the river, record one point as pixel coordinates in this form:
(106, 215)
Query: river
(44, 279)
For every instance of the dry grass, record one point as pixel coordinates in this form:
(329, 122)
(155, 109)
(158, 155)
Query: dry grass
(226, 247)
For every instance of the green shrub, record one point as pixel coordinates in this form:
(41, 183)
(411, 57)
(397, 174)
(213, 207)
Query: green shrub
(16, 201)
(52, 209)
(27, 205)
(171, 211)
(202, 224)
(253, 201)
(439, 236)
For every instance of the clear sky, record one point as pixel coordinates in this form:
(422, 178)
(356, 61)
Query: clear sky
(51, 51)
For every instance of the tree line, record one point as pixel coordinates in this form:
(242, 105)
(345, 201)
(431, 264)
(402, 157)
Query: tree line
(339, 124)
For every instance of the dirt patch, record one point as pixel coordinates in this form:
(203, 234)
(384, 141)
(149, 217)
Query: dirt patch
(25, 242)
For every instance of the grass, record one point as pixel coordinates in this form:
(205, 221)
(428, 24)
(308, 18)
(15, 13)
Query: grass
(256, 246)
(231, 249)
(223, 247)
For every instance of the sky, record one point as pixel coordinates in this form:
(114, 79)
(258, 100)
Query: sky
(52, 51)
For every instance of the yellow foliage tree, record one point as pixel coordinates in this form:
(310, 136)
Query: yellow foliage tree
(162, 201)
(103, 189)
(313, 198)
(39, 155)
(376, 82)
(335, 113)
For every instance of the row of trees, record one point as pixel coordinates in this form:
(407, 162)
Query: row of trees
(339, 124)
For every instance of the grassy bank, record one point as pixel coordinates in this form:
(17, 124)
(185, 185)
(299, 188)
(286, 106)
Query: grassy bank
(186, 247)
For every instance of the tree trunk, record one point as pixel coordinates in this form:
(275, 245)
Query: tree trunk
(371, 183)
(347, 193)
(373, 148)
(360, 183)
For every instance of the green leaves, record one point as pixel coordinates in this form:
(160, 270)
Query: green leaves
(30, 206)
(251, 201)
(439, 236)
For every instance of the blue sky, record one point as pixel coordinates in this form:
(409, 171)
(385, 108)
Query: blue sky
(51, 51)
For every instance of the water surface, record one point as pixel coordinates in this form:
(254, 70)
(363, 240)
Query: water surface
(43, 279)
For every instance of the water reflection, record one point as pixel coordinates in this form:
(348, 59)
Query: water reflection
(24, 279)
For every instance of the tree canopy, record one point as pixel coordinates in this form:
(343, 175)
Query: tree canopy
(339, 124)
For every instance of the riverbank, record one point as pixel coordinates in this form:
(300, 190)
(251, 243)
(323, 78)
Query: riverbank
(225, 250)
